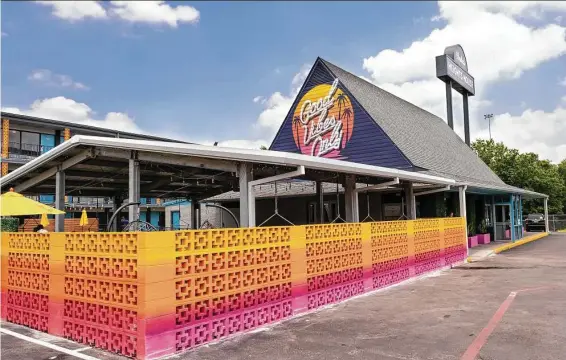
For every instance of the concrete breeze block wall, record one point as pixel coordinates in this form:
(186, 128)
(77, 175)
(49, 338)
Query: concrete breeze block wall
(152, 294)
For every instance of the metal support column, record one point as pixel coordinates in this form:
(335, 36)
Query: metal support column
(116, 203)
(134, 189)
(512, 215)
(546, 227)
(494, 218)
(245, 175)
(462, 198)
(320, 202)
(60, 200)
(449, 114)
(194, 218)
(522, 221)
(410, 201)
(466, 119)
(351, 199)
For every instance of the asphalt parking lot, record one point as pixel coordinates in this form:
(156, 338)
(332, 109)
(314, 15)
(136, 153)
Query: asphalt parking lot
(510, 306)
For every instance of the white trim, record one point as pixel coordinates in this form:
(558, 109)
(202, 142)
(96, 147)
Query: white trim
(378, 186)
(446, 188)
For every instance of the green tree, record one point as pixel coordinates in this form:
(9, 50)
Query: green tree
(263, 147)
(527, 171)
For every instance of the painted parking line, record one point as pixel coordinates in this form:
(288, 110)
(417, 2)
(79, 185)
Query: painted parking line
(83, 349)
(475, 347)
(74, 353)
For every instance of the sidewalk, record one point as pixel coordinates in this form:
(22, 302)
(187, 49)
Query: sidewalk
(483, 251)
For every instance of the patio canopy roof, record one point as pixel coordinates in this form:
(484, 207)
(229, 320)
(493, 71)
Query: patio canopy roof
(98, 166)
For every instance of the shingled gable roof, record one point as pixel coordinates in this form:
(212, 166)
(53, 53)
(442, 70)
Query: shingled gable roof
(425, 139)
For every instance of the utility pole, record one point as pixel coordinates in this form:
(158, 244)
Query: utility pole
(488, 117)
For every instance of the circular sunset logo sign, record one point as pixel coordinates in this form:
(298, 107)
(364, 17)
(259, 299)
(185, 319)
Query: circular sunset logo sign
(323, 121)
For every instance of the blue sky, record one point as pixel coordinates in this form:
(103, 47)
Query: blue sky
(197, 80)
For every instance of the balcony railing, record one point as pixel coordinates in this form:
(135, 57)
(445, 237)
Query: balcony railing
(24, 151)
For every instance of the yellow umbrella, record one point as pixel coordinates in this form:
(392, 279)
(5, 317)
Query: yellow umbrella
(84, 219)
(44, 220)
(14, 204)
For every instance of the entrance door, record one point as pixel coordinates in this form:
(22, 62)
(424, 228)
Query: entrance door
(502, 222)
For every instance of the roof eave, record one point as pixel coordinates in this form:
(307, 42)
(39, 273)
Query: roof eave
(230, 154)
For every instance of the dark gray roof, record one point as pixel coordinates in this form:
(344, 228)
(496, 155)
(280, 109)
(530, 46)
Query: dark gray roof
(425, 139)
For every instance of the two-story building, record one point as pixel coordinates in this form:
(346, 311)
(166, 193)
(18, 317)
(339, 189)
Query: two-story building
(25, 138)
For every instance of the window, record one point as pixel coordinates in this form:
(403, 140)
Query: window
(30, 144)
(47, 142)
(14, 141)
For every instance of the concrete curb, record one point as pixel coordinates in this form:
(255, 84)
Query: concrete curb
(506, 247)
(520, 242)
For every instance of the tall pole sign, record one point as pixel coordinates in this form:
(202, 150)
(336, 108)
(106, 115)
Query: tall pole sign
(452, 69)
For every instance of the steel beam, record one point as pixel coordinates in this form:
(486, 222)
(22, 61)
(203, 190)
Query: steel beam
(86, 154)
(446, 188)
(378, 186)
(202, 163)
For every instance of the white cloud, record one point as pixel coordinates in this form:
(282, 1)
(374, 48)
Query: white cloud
(76, 10)
(563, 82)
(535, 131)
(150, 12)
(494, 54)
(64, 109)
(4, 34)
(154, 12)
(277, 105)
(47, 77)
